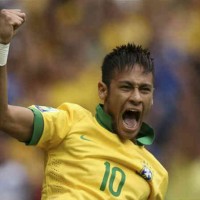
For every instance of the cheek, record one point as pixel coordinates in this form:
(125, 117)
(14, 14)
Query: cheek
(113, 98)
(148, 104)
(113, 105)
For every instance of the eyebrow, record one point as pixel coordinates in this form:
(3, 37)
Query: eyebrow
(140, 84)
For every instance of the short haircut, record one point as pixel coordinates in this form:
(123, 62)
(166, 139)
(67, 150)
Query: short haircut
(125, 57)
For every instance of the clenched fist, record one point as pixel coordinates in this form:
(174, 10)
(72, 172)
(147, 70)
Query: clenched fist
(10, 21)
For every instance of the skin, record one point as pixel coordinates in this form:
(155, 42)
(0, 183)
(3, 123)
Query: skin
(14, 120)
(131, 89)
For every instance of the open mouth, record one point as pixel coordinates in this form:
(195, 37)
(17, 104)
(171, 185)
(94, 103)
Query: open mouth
(131, 118)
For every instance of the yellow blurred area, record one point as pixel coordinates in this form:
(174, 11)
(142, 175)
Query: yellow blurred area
(134, 29)
(185, 182)
(82, 90)
(69, 14)
(193, 33)
(30, 157)
(34, 6)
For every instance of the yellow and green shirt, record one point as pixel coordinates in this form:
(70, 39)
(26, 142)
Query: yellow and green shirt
(85, 160)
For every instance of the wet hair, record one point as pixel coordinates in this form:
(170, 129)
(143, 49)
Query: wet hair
(123, 58)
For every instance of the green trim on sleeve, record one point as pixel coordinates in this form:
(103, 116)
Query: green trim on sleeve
(37, 127)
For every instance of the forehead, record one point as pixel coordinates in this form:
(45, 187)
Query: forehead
(135, 74)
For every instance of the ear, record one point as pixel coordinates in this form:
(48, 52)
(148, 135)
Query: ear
(152, 102)
(102, 90)
(152, 97)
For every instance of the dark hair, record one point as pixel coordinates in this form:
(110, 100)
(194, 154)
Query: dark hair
(125, 57)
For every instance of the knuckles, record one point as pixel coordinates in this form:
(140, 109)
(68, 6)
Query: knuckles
(4, 12)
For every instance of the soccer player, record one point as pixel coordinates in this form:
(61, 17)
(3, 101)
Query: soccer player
(92, 157)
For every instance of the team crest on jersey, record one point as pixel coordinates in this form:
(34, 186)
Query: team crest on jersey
(146, 172)
(46, 109)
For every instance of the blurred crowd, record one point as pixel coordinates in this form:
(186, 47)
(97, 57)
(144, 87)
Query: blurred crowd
(58, 53)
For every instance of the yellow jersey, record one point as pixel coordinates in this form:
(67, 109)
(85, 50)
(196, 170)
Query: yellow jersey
(85, 160)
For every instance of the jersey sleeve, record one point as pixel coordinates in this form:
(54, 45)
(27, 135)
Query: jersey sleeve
(52, 125)
(164, 186)
(160, 188)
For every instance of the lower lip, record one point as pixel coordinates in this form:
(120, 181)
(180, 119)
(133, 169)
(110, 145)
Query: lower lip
(133, 129)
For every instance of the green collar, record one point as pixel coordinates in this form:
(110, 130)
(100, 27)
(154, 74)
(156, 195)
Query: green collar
(144, 137)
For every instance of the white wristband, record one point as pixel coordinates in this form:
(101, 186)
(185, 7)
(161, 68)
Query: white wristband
(4, 49)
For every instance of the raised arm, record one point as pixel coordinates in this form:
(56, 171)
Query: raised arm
(14, 120)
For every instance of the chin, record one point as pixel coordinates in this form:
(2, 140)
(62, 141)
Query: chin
(127, 136)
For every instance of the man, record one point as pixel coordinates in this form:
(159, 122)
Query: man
(100, 157)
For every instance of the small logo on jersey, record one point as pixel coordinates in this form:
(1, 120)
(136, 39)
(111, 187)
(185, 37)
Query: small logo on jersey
(84, 138)
(46, 109)
(146, 172)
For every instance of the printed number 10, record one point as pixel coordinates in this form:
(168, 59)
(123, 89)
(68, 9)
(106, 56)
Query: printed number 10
(112, 178)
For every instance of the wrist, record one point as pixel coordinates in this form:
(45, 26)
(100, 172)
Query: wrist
(4, 49)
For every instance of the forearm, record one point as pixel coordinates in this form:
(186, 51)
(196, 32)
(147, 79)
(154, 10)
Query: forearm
(4, 49)
(3, 94)
(14, 120)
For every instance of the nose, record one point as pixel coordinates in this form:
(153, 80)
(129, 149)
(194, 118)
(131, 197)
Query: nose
(135, 97)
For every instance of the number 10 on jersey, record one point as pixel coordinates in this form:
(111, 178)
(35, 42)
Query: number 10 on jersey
(110, 177)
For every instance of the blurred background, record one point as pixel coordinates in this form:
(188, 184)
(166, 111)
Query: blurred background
(56, 57)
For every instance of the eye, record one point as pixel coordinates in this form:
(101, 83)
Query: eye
(125, 87)
(145, 89)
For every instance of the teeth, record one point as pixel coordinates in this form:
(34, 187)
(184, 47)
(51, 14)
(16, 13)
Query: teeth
(137, 114)
(133, 110)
